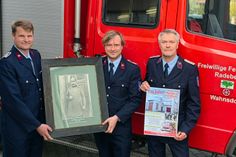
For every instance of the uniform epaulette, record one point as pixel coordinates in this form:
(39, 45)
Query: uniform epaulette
(104, 56)
(155, 56)
(189, 62)
(7, 55)
(131, 61)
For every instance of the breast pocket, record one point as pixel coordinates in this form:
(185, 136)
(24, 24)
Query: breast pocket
(120, 89)
(180, 86)
(124, 88)
(155, 83)
(27, 85)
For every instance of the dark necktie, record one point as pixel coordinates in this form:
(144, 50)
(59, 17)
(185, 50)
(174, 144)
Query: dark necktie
(111, 70)
(166, 70)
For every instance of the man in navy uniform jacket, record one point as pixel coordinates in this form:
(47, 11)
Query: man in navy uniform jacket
(172, 71)
(122, 79)
(22, 96)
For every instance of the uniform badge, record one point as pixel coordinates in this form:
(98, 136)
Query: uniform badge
(159, 60)
(122, 66)
(179, 65)
(19, 57)
(105, 62)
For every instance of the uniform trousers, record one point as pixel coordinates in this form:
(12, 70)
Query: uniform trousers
(29, 146)
(157, 146)
(110, 145)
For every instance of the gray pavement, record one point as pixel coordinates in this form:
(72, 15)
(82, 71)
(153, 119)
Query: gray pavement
(84, 146)
(64, 151)
(193, 153)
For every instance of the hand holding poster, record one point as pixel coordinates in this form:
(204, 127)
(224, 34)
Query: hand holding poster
(161, 112)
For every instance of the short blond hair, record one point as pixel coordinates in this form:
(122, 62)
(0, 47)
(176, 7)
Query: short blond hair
(110, 35)
(25, 24)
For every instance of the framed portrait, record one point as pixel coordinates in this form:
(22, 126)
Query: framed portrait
(74, 95)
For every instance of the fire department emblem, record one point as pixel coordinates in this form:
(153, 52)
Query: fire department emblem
(227, 86)
(226, 92)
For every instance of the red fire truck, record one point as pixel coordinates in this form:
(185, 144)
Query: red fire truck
(207, 28)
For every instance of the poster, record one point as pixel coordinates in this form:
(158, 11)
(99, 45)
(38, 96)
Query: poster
(161, 112)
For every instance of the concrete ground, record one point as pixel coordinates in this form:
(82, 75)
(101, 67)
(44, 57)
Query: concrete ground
(84, 146)
(193, 153)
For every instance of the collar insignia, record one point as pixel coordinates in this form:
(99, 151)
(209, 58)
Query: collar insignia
(19, 56)
(122, 66)
(105, 62)
(179, 65)
(159, 60)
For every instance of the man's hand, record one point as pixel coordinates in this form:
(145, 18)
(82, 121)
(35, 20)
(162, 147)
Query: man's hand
(180, 136)
(43, 131)
(111, 121)
(145, 86)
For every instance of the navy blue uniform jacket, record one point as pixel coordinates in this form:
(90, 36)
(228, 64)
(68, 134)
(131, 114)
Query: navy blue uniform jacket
(21, 92)
(123, 94)
(184, 76)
